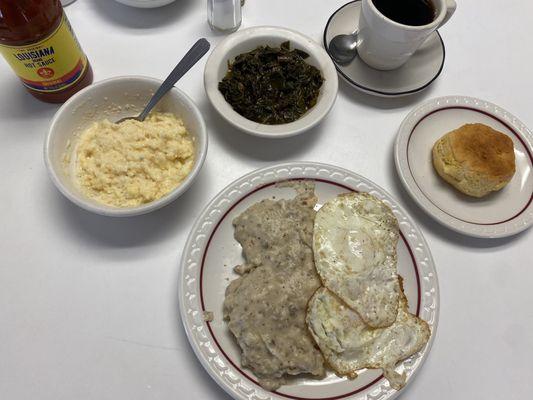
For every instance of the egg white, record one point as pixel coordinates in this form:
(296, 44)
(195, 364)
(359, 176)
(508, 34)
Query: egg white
(354, 243)
(348, 344)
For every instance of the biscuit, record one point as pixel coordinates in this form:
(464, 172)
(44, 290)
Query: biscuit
(475, 159)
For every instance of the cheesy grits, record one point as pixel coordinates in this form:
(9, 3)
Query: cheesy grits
(133, 163)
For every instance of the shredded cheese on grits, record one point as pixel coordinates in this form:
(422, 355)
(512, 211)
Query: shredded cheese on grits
(133, 163)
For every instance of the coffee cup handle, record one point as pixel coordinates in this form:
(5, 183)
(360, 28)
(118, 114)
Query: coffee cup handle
(451, 5)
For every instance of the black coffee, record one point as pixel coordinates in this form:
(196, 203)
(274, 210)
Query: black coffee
(407, 12)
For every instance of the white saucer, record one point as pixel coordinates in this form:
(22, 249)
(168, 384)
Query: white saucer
(500, 214)
(417, 74)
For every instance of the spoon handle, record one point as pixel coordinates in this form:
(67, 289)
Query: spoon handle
(196, 52)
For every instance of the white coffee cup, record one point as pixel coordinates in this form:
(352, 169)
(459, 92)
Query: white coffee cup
(385, 44)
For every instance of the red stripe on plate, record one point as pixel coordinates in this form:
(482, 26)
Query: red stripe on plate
(238, 368)
(488, 115)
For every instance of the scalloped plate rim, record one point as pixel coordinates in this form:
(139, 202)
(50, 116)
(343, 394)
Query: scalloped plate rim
(408, 182)
(434, 287)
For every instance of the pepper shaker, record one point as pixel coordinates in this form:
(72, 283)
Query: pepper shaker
(224, 15)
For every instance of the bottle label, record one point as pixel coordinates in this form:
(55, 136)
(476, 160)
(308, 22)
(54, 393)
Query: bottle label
(51, 65)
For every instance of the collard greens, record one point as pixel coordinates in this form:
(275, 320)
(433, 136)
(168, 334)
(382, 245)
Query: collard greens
(271, 85)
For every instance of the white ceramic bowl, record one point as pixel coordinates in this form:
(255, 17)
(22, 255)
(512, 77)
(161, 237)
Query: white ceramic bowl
(249, 39)
(146, 3)
(113, 99)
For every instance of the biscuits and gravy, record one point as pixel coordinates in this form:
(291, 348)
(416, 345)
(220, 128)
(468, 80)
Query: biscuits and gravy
(279, 312)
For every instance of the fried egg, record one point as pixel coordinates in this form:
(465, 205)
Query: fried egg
(354, 245)
(348, 344)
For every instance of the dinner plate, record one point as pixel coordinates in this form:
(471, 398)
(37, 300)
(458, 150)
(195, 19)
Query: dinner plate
(499, 214)
(207, 268)
(420, 71)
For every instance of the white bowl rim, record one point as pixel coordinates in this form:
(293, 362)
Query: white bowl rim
(145, 3)
(308, 121)
(129, 211)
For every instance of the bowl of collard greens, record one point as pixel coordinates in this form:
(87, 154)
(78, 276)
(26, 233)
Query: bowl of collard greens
(271, 82)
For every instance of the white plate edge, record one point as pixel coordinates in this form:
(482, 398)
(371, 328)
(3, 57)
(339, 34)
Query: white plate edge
(428, 263)
(474, 230)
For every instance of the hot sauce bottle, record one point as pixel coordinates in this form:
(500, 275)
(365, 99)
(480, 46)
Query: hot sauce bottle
(38, 43)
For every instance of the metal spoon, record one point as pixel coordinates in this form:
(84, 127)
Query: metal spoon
(196, 52)
(343, 48)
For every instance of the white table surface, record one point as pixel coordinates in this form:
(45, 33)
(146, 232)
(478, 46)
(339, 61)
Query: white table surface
(88, 304)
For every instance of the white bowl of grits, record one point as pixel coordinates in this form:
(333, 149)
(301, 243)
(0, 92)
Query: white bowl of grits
(130, 168)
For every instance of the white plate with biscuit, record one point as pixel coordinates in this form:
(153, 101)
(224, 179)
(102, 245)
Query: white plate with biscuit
(504, 211)
(211, 252)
